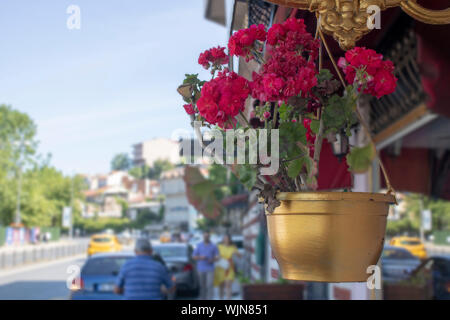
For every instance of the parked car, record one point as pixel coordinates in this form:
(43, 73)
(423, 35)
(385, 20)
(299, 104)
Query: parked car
(441, 277)
(417, 285)
(125, 237)
(412, 244)
(397, 263)
(103, 243)
(98, 276)
(178, 259)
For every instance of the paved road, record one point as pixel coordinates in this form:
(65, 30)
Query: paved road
(46, 281)
(42, 281)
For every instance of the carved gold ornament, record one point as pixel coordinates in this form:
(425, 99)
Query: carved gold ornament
(347, 20)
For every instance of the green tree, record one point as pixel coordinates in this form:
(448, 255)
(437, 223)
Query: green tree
(120, 162)
(159, 166)
(153, 172)
(440, 210)
(139, 172)
(17, 147)
(45, 190)
(101, 224)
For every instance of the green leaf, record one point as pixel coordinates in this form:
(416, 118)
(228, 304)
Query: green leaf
(200, 193)
(360, 159)
(284, 111)
(290, 134)
(315, 124)
(247, 175)
(324, 74)
(338, 113)
(295, 167)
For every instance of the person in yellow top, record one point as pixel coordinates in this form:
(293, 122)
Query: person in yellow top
(224, 273)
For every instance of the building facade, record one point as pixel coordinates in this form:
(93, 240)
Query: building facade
(147, 152)
(179, 214)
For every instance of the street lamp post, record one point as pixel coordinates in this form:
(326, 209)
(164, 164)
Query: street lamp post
(71, 206)
(21, 144)
(19, 190)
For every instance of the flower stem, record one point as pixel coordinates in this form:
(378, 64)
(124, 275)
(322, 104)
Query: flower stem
(244, 118)
(275, 115)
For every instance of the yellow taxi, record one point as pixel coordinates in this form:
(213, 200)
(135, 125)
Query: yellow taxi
(412, 244)
(165, 237)
(103, 243)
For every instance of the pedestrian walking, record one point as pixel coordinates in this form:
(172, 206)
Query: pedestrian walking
(225, 271)
(206, 253)
(141, 278)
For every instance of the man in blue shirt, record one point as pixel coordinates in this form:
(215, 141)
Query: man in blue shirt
(141, 278)
(206, 254)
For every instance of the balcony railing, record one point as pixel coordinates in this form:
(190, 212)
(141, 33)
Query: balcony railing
(260, 12)
(402, 50)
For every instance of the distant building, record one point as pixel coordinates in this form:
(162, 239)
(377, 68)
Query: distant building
(104, 202)
(135, 208)
(102, 198)
(179, 214)
(147, 152)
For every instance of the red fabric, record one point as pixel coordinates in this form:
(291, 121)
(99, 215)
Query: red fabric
(434, 64)
(409, 171)
(333, 174)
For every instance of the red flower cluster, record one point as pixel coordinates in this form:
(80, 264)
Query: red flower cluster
(242, 41)
(287, 73)
(310, 136)
(292, 35)
(213, 57)
(223, 98)
(379, 74)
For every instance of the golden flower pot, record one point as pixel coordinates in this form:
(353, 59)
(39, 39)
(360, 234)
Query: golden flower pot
(328, 236)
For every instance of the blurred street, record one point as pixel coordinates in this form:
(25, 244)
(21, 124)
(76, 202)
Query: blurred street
(47, 280)
(263, 156)
(43, 281)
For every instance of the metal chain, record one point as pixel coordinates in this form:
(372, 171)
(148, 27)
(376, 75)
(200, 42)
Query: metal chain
(360, 118)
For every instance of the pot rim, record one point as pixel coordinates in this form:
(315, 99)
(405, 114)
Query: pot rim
(336, 196)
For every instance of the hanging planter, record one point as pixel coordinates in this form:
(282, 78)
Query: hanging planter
(315, 236)
(328, 236)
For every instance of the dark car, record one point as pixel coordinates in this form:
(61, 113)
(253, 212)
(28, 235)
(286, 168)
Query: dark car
(178, 259)
(98, 276)
(397, 264)
(441, 277)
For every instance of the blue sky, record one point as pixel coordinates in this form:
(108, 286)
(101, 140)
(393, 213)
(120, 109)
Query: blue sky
(95, 92)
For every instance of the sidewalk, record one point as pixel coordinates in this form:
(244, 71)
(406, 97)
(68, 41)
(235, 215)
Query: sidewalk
(236, 292)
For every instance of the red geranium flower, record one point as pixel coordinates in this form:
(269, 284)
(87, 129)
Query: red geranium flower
(242, 41)
(378, 74)
(223, 98)
(189, 109)
(213, 57)
(288, 71)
